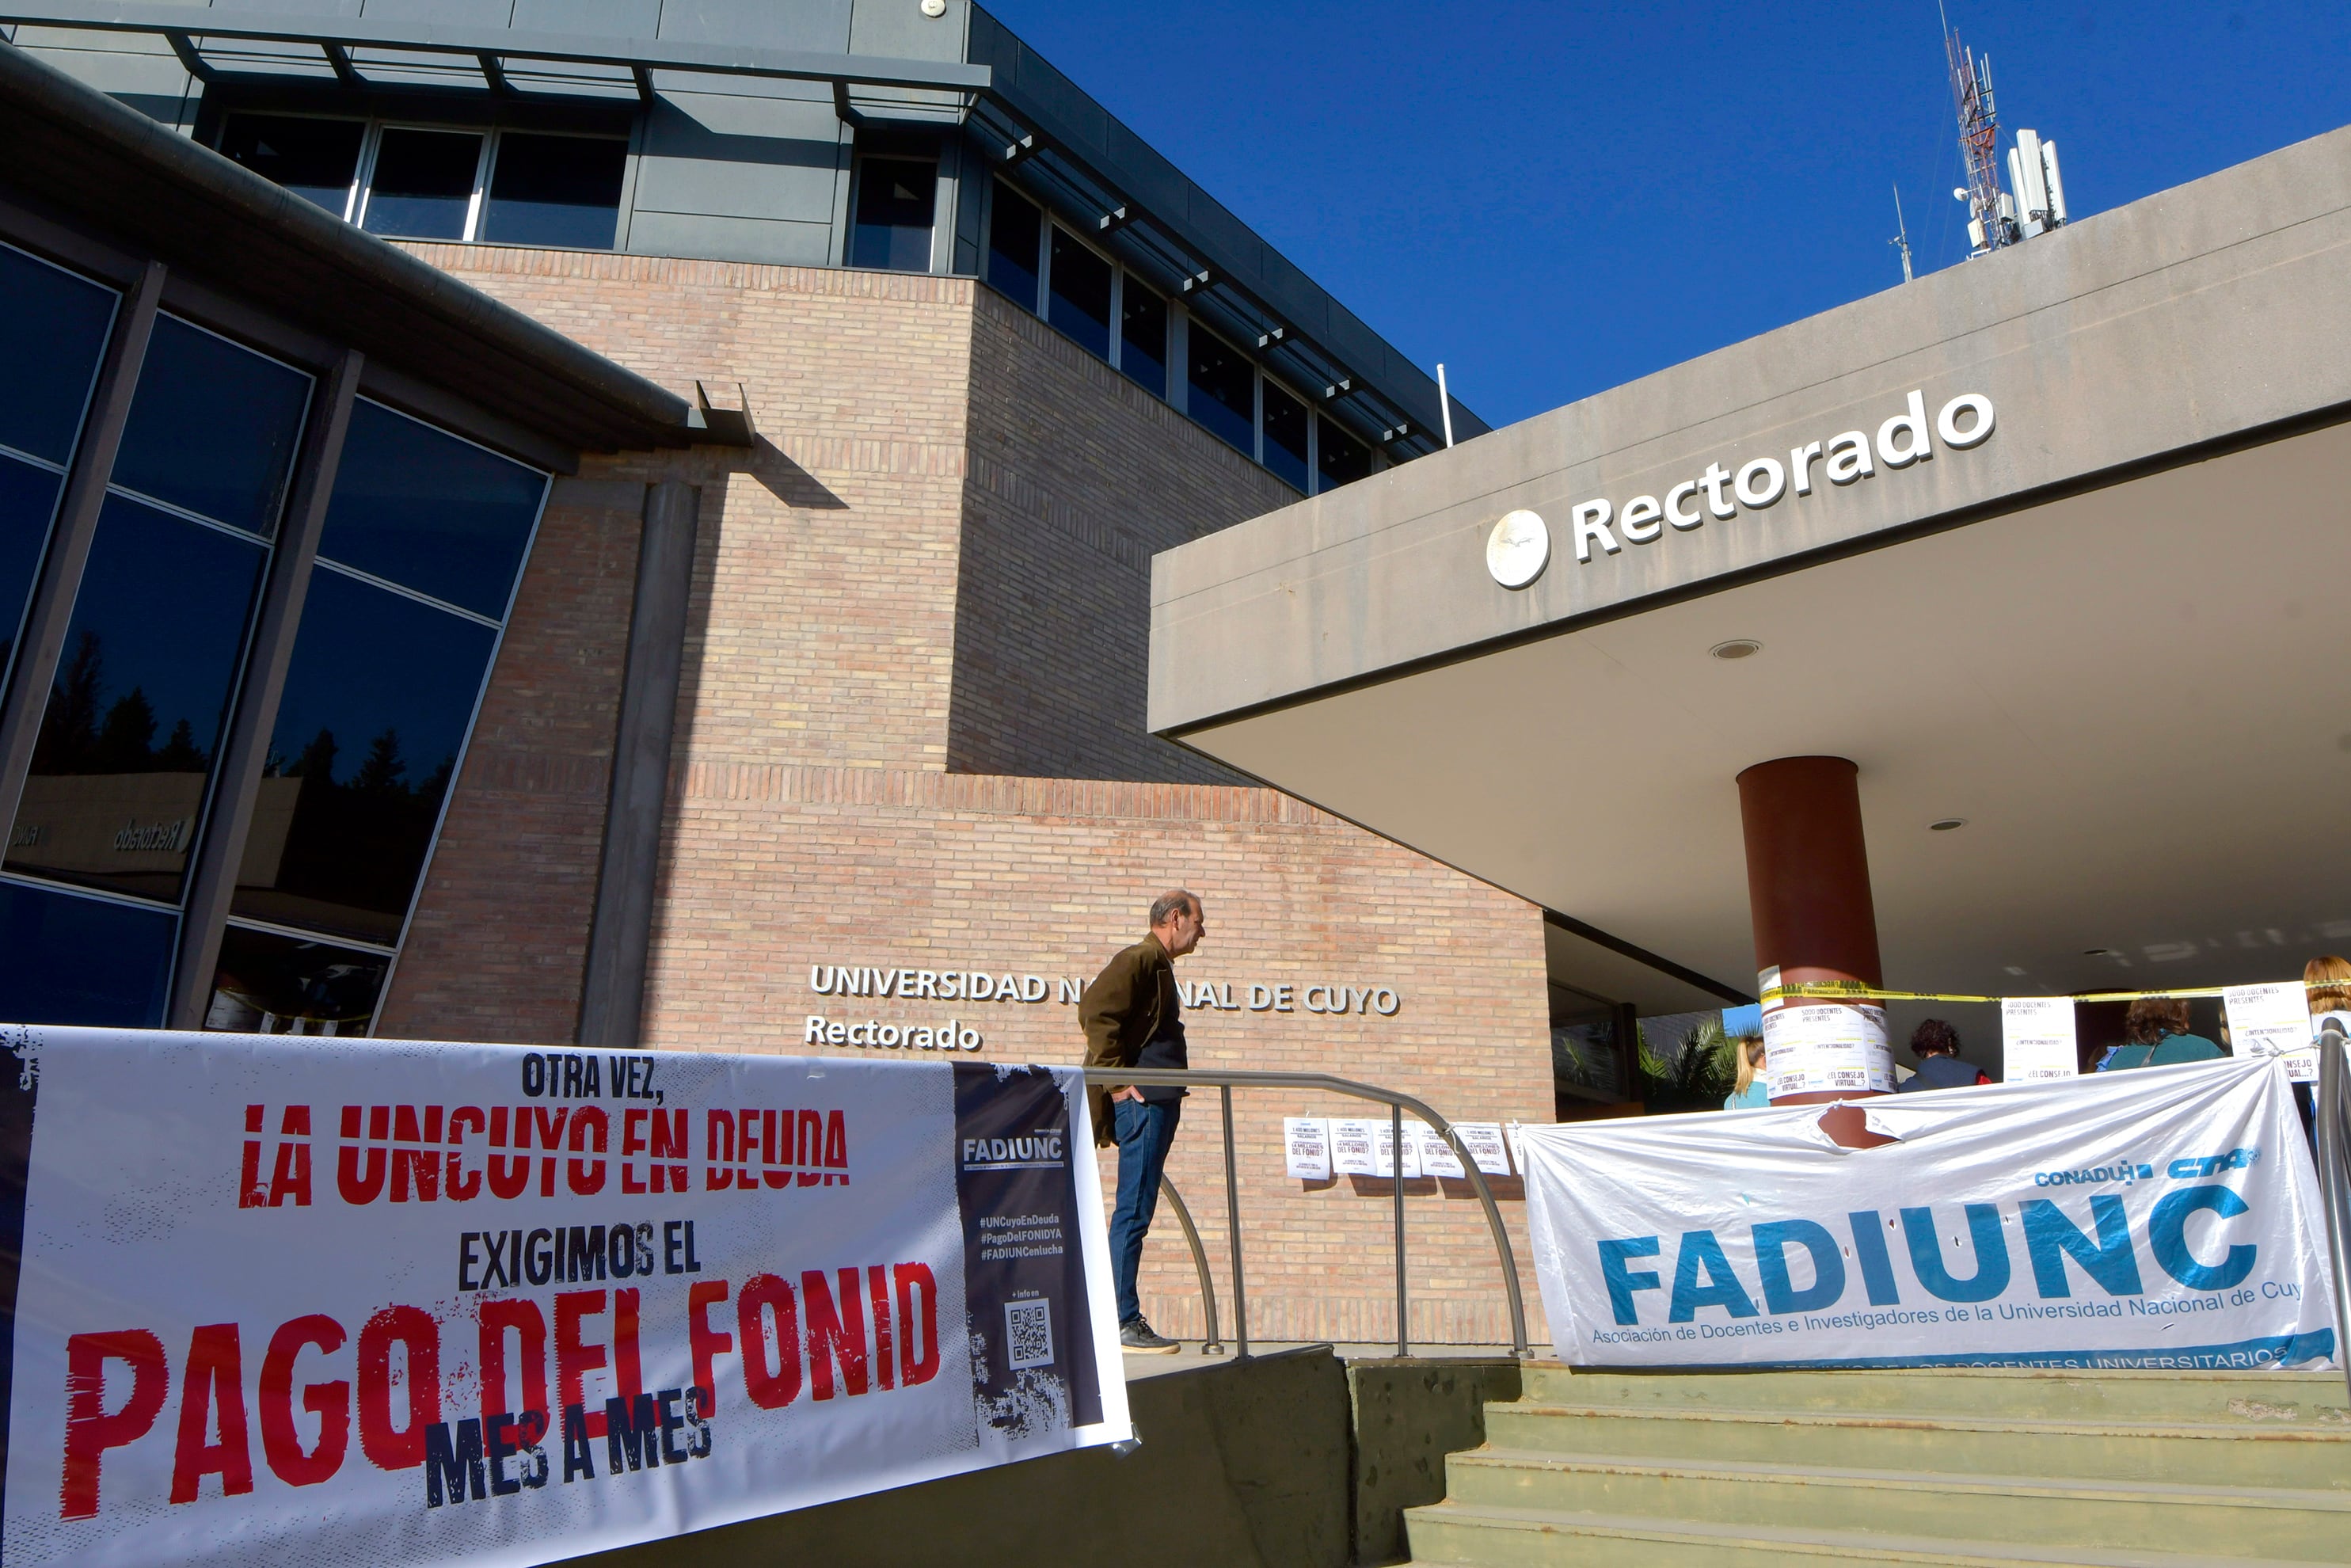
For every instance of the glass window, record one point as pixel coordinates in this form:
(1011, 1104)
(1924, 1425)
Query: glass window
(892, 229)
(212, 427)
(1080, 305)
(135, 715)
(1340, 458)
(421, 508)
(1223, 391)
(1016, 237)
(423, 183)
(52, 333)
(1142, 337)
(68, 958)
(379, 695)
(1285, 436)
(28, 503)
(272, 983)
(555, 190)
(315, 159)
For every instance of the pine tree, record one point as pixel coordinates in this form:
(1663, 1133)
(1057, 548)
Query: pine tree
(126, 744)
(180, 754)
(381, 773)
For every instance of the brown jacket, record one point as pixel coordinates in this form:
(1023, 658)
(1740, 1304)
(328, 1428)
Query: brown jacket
(1121, 1012)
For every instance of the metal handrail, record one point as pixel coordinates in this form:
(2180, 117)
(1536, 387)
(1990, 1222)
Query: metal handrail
(1214, 1344)
(2332, 1116)
(1225, 1081)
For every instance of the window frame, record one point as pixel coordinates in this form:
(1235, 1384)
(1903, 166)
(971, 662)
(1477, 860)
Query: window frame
(473, 717)
(485, 169)
(208, 802)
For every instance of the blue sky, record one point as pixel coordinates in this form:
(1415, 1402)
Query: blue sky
(1557, 198)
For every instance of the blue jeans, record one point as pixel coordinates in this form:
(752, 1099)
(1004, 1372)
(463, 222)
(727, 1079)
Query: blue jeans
(1144, 1129)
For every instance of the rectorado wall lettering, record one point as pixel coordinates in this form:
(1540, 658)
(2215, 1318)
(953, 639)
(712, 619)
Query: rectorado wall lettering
(1760, 483)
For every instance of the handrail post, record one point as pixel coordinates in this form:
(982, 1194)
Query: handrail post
(1395, 1165)
(1233, 1221)
(1214, 1342)
(2333, 1119)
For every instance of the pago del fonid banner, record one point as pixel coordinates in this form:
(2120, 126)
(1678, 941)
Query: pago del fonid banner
(310, 1301)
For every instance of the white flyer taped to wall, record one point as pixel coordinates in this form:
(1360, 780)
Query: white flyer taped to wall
(1352, 1149)
(1436, 1157)
(2274, 1020)
(2166, 1218)
(1486, 1146)
(1307, 1140)
(394, 1302)
(1387, 1156)
(1816, 1047)
(2037, 1039)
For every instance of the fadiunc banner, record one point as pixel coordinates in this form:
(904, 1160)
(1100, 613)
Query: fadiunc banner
(318, 1301)
(2167, 1218)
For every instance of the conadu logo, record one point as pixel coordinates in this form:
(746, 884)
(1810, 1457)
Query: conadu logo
(1518, 545)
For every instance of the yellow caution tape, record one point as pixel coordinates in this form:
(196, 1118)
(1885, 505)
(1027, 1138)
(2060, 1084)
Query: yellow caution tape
(1855, 990)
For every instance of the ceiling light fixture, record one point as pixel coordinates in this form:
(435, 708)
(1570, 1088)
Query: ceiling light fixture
(1947, 824)
(1736, 648)
(2100, 953)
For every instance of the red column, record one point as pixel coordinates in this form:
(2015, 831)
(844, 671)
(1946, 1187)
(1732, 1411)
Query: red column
(1808, 878)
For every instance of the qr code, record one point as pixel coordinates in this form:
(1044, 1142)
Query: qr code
(1028, 1333)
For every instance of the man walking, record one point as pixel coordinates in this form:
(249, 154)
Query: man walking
(1132, 1018)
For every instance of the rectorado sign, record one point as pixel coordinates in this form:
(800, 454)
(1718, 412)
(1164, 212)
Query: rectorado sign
(2165, 1219)
(398, 1302)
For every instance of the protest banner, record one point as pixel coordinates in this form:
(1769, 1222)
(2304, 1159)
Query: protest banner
(315, 1300)
(2167, 1218)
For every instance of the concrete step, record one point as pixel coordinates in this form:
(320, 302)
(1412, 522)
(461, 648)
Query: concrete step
(2266, 1398)
(2237, 1453)
(1450, 1532)
(2306, 1526)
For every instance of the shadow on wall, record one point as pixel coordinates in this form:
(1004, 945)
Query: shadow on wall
(789, 482)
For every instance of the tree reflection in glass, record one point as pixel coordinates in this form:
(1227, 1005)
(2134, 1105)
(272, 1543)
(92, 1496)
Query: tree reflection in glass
(378, 697)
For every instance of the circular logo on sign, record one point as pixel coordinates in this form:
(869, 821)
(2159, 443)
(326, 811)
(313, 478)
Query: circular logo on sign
(1518, 549)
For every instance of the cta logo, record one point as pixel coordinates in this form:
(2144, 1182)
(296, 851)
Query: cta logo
(2213, 1164)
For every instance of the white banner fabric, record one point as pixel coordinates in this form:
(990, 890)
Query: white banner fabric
(2165, 1218)
(317, 1300)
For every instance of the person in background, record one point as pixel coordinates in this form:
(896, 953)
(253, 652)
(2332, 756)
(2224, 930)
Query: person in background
(2156, 1034)
(1134, 1017)
(1752, 1093)
(1936, 1044)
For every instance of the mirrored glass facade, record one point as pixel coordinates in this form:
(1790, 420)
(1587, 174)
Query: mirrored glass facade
(422, 542)
(1221, 393)
(53, 327)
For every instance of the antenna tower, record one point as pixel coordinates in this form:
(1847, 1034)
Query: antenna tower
(1990, 215)
(1901, 235)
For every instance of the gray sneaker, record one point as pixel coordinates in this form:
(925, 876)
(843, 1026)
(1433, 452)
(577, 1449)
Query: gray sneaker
(1136, 1337)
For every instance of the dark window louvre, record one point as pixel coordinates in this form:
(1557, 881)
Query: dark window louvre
(1222, 391)
(315, 159)
(1080, 306)
(561, 191)
(423, 183)
(1016, 239)
(1285, 436)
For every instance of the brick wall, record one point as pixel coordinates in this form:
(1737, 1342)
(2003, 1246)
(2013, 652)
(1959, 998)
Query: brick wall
(1078, 479)
(910, 736)
(903, 868)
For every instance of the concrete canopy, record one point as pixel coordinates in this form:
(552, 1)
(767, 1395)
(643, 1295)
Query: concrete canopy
(2114, 636)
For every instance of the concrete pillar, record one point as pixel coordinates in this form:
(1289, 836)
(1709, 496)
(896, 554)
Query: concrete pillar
(612, 995)
(1808, 884)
